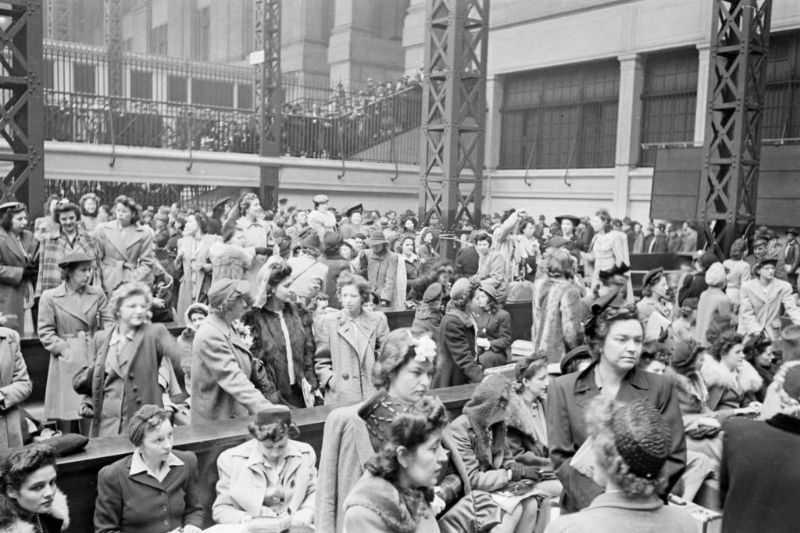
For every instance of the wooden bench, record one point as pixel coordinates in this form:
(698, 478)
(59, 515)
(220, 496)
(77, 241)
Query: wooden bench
(77, 474)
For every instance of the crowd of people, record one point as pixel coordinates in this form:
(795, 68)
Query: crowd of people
(621, 400)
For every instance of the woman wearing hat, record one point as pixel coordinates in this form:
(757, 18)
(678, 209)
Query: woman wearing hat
(18, 265)
(655, 297)
(714, 305)
(631, 448)
(193, 259)
(380, 266)
(269, 480)
(493, 327)
(155, 489)
(616, 342)
(222, 363)
(69, 316)
(125, 249)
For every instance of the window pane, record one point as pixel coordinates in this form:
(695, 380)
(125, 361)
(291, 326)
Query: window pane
(781, 119)
(176, 89)
(213, 93)
(245, 96)
(141, 84)
(83, 78)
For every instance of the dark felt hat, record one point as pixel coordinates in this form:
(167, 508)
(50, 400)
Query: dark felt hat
(575, 220)
(355, 209)
(766, 260)
(579, 352)
(274, 414)
(377, 237)
(78, 256)
(224, 289)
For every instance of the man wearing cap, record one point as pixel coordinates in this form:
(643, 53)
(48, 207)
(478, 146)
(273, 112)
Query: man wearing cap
(70, 238)
(762, 299)
(69, 316)
(321, 219)
(790, 258)
(379, 266)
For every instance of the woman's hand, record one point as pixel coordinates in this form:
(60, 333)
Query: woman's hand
(303, 517)
(437, 505)
(483, 342)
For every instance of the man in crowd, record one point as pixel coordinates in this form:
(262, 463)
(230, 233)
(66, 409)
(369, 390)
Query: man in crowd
(762, 299)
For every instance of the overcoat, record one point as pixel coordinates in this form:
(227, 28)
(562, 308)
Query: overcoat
(67, 324)
(14, 255)
(15, 386)
(495, 326)
(344, 354)
(221, 366)
(557, 317)
(456, 363)
(194, 256)
(56, 247)
(374, 505)
(126, 254)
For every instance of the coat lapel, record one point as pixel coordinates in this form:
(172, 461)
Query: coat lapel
(116, 238)
(13, 245)
(71, 304)
(132, 238)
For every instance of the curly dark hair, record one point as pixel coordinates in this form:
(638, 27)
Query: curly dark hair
(17, 465)
(723, 343)
(603, 323)
(363, 286)
(66, 208)
(131, 204)
(7, 216)
(410, 430)
(273, 432)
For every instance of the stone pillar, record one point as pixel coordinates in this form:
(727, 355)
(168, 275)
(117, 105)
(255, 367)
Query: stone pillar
(701, 109)
(629, 121)
(494, 100)
(304, 46)
(414, 37)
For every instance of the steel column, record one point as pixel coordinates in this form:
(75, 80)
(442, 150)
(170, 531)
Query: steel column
(732, 147)
(454, 112)
(112, 35)
(59, 19)
(22, 112)
(269, 97)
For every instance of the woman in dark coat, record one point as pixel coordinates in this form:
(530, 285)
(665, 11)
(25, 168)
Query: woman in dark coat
(760, 475)
(28, 484)
(457, 363)
(18, 264)
(132, 359)
(281, 329)
(617, 344)
(153, 490)
(493, 327)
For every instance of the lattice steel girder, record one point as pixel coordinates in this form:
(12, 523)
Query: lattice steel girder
(112, 35)
(22, 111)
(269, 97)
(454, 111)
(732, 147)
(59, 19)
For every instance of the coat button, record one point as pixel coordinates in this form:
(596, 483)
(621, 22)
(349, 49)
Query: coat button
(130, 376)
(345, 376)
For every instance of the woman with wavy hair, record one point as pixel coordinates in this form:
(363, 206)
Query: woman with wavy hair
(631, 444)
(395, 494)
(732, 382)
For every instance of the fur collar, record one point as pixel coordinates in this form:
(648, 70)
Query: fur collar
(716, 374)
(382, 498)
(58, 511)
(520, 417)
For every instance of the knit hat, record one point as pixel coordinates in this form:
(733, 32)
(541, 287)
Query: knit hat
(641, 437)
(684, 354)
(715, 275)
(461, 287)
(488, 401)
(488, 287)
(432, 293)
(224, 289)
(139, 422)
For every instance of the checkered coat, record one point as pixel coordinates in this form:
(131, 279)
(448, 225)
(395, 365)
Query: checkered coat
(51, 252)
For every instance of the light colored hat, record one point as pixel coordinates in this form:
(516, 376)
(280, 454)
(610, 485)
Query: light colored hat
(715, 275)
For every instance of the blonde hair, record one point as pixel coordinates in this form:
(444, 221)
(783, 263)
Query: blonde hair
(129, 290)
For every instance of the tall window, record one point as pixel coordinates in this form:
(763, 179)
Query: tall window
(669, 97)
(212, 93)
(157, 42)
(177, 90)
(201, 35)
(83, 78)
(564, 117)
(141, 84)
(781, 118)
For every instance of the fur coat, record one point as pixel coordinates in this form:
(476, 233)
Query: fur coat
(526, 432)
(557, 315)
(727, 389)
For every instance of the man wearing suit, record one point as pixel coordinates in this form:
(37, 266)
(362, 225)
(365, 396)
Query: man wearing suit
(689, 244)
(791, 257)
(658, 245)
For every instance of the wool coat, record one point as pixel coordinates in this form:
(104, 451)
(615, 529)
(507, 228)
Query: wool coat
(221, 367)
(15, 254)
(526, 431)
(484, 473)
(194, 254)
(242, 483)
(15, 386)
(760, 307)
(760, 475)
(568, 400)
(151, 344)
(714, 306)
(730, 390)
(66, 325)
(457, 361)
(139, 503)
(374, 505)
(558, 312)
(126, 254)
(381, 271)
(55, 248)
(343, 354)
(495, 326)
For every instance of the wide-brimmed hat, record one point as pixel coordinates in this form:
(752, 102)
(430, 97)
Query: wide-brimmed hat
(78, 256)
(320, 199)
(355, 209)
(575, 220)
(377, 237)
(579, 352)
(489, 289)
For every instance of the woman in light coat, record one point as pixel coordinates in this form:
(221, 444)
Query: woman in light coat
(69, 316)
(193, 255)
(125, 249)
(15, 387)
(347, 342)
(18, 260)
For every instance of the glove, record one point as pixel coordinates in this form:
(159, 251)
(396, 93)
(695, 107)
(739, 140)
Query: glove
(29, 272)
(521, 471)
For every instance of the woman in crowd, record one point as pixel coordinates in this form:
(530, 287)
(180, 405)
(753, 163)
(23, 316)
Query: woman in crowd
(616, 341)
(271, 479)
(347, 342)
(760, 473)
(46, 227)
(193, 259)
(655, 299)
(557, 308)
(15, 387)
(428, 249)
(632, 444)
(257, 232)
(230, 258)
(336, 263)
(732, 382)
(18, 265)
(153, 490)
(28, 483)
(429, 312)
(411, 263)
(714, 305)
(479, 435)
(282, 338)
(222, 362)
(90, 212)
(526, 427)
(195, 315)
(391, 497)
(128, 359)
(493, 327)
(609, 248)
(737, 271)
(125, 249)
(69, 316)
(760, 353)
(457, 363)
